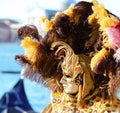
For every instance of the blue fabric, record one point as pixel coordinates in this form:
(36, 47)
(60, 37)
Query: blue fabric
(15, 99)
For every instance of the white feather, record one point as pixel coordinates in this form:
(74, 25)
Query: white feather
(117, 55)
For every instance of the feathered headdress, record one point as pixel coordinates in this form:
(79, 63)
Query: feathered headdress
(87, 27)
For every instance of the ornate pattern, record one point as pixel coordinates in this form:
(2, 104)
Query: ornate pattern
(62, 103)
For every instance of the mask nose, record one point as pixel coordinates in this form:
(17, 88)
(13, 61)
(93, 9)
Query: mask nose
(63, 80)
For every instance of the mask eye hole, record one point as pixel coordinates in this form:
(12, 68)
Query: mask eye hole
(68, 76)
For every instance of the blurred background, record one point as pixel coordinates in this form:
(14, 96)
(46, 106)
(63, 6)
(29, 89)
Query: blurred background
(16, 13)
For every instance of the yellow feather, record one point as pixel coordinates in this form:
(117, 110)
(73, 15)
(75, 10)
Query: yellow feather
(100, 20)
(49, 23)
(31, 48)
(99, 56)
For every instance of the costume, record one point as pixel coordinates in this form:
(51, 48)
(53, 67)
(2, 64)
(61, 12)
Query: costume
(78, 59)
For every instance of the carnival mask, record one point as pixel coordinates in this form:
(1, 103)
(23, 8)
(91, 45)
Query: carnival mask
(71, 76)
(77, 75)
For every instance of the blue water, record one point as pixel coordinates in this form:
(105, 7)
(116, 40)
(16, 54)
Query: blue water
(37, 95)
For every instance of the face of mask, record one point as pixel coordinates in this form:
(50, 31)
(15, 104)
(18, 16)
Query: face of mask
(70, 78)
(70, 87)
